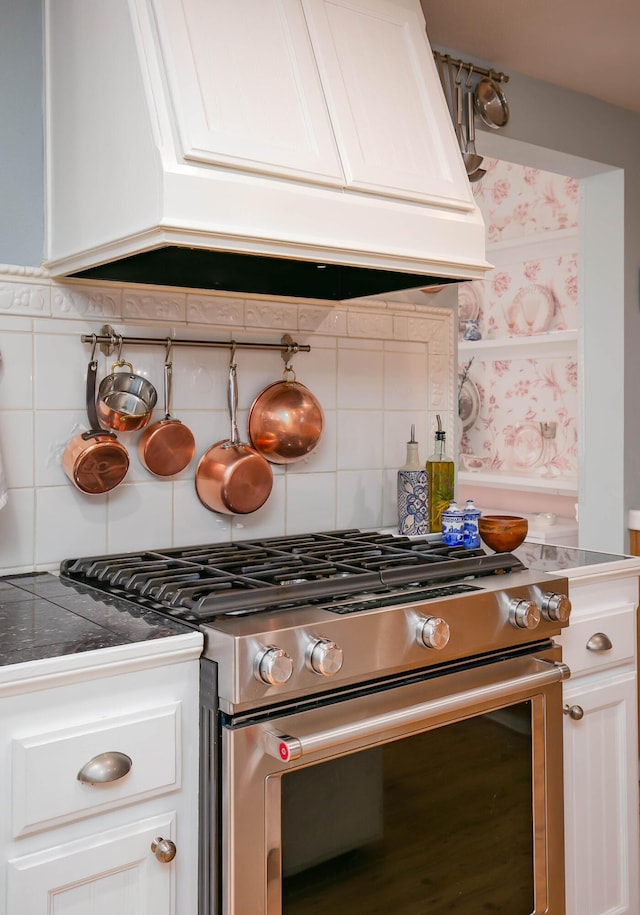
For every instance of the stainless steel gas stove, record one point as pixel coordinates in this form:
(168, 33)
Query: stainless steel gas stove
(325, 653)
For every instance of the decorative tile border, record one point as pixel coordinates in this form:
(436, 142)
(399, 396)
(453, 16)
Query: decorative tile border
(31, 292)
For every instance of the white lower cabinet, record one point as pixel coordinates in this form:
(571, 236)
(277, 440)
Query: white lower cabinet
(601, 751)
(111, 872)
(99, 789)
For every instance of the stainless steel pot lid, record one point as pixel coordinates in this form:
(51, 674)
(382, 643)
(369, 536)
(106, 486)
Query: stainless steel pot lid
(491, 103)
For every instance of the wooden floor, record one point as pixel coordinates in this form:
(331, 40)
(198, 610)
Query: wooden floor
(456, 839)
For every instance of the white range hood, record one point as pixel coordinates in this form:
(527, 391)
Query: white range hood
(282, 147)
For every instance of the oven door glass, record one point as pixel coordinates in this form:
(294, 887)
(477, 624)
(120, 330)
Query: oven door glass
(434, 796)
(439, 822)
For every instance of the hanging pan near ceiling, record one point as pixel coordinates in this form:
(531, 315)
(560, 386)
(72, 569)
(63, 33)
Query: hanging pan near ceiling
(491, 103)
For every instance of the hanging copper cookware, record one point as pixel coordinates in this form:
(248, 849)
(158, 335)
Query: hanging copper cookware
(167, 446)
(285, 420)
(125, 400)
(95, 461)
(231, 477)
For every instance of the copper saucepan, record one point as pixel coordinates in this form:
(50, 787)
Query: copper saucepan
(285, 421)
(95, 461)
(166, 446)
(125, 400)
(231, 477)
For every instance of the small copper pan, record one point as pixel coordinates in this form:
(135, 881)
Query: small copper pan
(285, 421)
(95, 461)
(231, 477)
(166, 447)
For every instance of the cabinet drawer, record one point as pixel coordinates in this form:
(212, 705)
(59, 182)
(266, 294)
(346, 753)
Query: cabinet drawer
(45, 767)
(619, 627)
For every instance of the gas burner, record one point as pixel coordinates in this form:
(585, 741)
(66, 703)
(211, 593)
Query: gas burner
(202, 583)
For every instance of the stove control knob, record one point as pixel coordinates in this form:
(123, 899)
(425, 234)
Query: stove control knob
(524, 614)
(556, 607)
(324, 657)
(273, 666)
(433, 632)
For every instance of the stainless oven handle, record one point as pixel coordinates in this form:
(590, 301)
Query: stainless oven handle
(537, 674)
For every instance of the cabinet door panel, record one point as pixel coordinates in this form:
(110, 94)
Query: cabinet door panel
(601, 798)
(46, 789)
(245, 88)
(388, 111)
(115, 871)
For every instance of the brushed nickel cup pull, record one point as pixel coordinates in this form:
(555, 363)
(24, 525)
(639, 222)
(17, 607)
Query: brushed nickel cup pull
(106, 767)
(599, 642)
(163, 849)
(576, 712)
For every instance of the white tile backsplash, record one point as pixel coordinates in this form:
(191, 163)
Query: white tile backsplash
(360, 442)
(311, 502)
(372, 374)
(16, 370)
(17, 528)
(16, 447)
(152, 503)
(359, 502)
(68, 523)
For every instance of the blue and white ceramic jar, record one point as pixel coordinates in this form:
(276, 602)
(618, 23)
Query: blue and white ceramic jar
(471, 530)
(413, 492)
(453, 525)
(413, 502)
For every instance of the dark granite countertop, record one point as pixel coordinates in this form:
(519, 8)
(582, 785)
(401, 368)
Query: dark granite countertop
(43, 616)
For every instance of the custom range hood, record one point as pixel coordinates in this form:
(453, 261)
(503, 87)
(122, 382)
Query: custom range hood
(279, 147)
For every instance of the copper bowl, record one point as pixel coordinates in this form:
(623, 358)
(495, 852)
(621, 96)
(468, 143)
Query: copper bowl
(503, 533)
(285, 422)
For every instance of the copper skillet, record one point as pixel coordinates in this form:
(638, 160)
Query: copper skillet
(166, 446)
(95, 461)
(232, 477)
(285, 420)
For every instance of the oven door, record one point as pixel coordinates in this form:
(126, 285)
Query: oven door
(433, 795)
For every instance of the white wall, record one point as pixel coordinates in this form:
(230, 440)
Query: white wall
(376, 367)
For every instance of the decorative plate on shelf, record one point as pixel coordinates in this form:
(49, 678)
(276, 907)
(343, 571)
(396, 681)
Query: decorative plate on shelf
(527, 445)
(468, 302)
(532, 310)
(468, 404)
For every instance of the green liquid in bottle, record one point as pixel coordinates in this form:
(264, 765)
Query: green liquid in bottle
(440, 480)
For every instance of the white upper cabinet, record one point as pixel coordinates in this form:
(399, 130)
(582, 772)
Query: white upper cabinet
(305, 131)
(387, 110)
(245, 88)
(274, 85)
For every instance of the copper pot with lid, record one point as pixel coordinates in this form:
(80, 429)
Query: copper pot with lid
(95, 461)
(231, 477)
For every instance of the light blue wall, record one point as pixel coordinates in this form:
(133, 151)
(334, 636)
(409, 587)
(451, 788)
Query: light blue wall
(21, 133)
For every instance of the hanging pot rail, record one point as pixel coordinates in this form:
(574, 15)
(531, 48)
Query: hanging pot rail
(471, 68)
(109, 340)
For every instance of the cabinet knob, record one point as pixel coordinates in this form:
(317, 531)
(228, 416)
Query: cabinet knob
(599, 642)
(163, 849)
(574, 711)
(106, 767)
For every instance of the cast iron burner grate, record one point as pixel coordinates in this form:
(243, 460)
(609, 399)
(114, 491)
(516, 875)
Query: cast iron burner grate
(200, 583)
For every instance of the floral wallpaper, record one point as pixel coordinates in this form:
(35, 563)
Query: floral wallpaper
(517, 202)
(518, 406)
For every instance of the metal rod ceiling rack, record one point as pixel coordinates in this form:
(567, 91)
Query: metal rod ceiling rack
(472, 68)
(109, 339)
